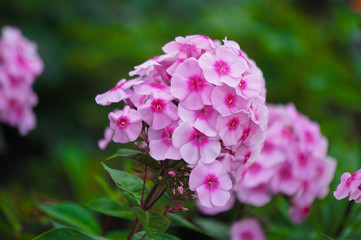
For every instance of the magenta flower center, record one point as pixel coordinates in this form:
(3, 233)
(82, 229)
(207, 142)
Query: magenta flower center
(245, 134)
(254, 168)
(233, 123)
(302, 160)
(285, 173)
(247, 235)
(158, 105)
(211, 181)
(221, 67)
(243, 84)
(196, 83)
(122, 122)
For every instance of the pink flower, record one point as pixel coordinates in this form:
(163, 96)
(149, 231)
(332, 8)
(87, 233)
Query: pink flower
(348, 184)
(299, 213)
(194, 145)
(159, 112)
(19, 56)
(212, 184)
(249, 86)
(284, 182)
(160, 143)
(189, 85)
(19, 66)
(248, 229)
(126, 125)
(257, 196)
(224, 67)
(232, 127)
(120, 92)
(226, 101)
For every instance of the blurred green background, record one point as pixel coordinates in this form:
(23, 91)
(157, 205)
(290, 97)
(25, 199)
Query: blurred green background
(309, 52)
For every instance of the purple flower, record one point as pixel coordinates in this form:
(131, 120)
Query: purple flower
(248, 229)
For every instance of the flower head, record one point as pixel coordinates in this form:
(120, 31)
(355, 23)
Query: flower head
(248, 229)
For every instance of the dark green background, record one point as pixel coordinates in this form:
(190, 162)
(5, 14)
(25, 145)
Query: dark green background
(309, 52)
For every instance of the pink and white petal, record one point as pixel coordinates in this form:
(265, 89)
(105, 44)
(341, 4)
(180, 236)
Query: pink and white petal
(210, 151)
(219, 197)
(186, 114)
(179, 87)
(133, 130)
(203, 126)
(192, 101)
(204, 196)
(190, 153)
(230, 81)
(182, 134)
(157, 149)
(173, 153)
(206, 93)
(197, 176)
(225, 183)
(160, 121)
(120, 136)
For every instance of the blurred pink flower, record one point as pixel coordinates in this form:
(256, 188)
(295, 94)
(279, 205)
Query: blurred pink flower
(19, 66)
(247, 229)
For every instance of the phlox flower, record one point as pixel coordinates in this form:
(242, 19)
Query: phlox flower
(299, 213)
(348, 184)
(190, 87)
(256, 196)
(126, 125)
(247, 229)
(224, 67)
(160, 143)
(226, 101)
(159, 112)
(249, 86)
(212, 184)
(194, 145)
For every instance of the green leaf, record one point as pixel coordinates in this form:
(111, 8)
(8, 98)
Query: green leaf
(163, 236)
(8, 208)
(130, 186)
(73, 215)
(153, 223)
(112, 208)
(63, 234)
(118, 235)
(137, 156)
(179, 221)
(60, 225)
(214, 228)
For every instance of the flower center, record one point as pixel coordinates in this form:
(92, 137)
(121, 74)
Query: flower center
(230, 100)
(122, 122)
(157, 105)
(246, 235)
(242, 84)
(211, 181)
(245, 134)
(221, 67)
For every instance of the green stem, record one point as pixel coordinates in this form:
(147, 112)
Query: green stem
(345, 216)
(149, 197)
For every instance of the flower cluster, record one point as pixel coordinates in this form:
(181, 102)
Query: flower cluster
(201, 101)
(19, 66)
(350, 185)
(293, 162)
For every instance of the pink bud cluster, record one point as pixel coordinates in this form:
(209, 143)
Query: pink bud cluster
(19, 66)
(201, 101)
(350, 185)
(293, 162)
